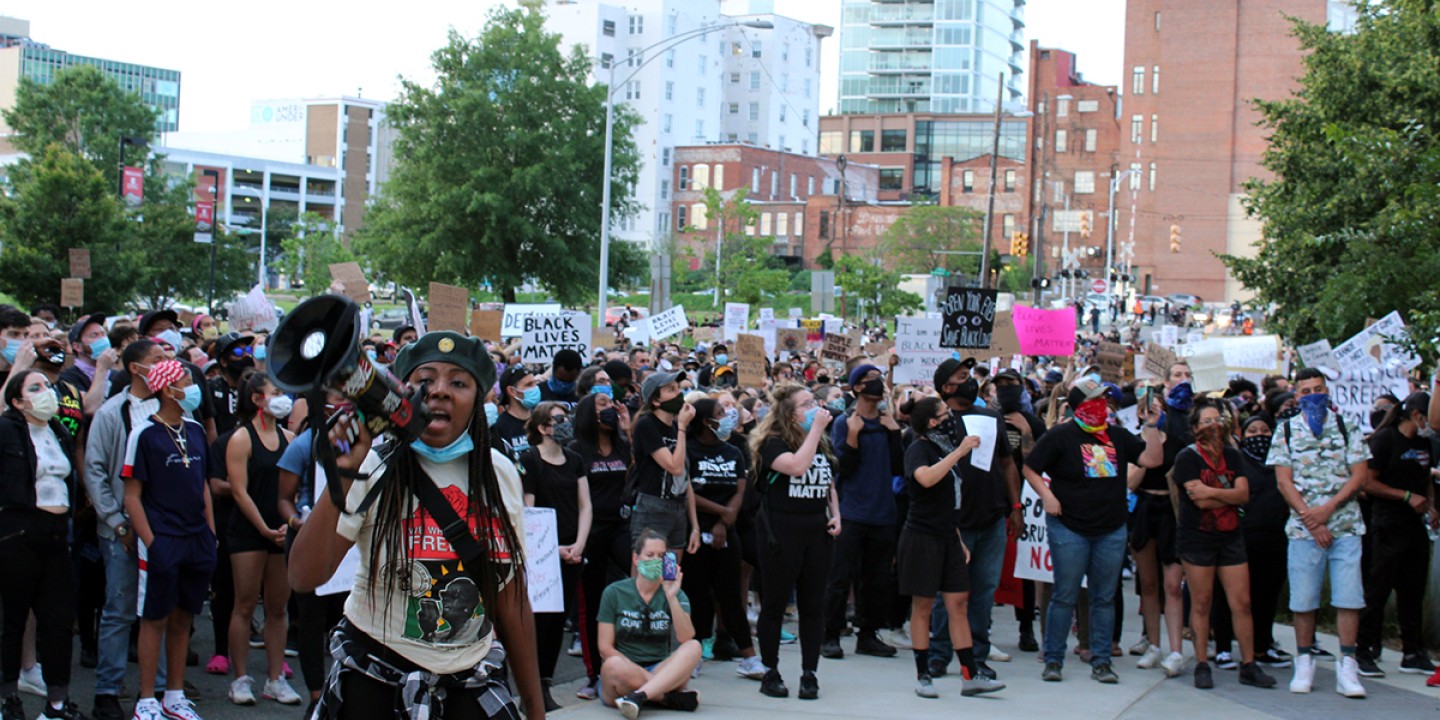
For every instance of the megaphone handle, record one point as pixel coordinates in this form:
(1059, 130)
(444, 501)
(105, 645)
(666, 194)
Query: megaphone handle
(322, 448)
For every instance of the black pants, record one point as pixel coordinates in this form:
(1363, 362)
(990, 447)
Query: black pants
(1268, 558)
(367, 699)
(318, 615)
(712, 580)
(798, 560)
(36, 576)
(1025, 611)
(89, 593)
(863, 556)
(550, 626)
(222, 591)
(607, 559)
(1399, 562)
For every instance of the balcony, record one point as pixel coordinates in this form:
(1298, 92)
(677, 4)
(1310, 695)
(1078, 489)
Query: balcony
(896, 38)
(898, 89)
(893, 15)
(884, 63)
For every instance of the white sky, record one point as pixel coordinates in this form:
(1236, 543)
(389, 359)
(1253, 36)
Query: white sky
(230, 54)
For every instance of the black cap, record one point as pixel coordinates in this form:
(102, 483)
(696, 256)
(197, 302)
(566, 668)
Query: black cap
(225, 342)
(468, 354)
(949, 367)
(1418, 401)
(395, 336)
(78, 328)
(149, 319)
(619, 371)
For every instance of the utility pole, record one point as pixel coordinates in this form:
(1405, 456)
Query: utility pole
(990, 203)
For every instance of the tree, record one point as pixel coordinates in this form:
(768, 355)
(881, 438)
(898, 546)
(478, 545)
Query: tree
(921, 239)
(499, 167)
(876, 291)
(170, 264)
(1349, 217)
(749, 269)
(311, 246)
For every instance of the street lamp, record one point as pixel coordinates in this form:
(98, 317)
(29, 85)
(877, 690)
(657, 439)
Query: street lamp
(994, 172)
(673, 40)
(214, 196)
(1110, 232)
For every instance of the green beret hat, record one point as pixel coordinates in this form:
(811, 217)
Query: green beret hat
(468, 354)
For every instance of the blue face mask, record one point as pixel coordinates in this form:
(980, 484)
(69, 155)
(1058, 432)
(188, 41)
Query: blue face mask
(726, 425)
(809, 419)
(99, 347)
(980, 402)
(453, 451)
(260, 352)
(371, 354)
(492, 414)
(1182, 396)
(191, 401)
(531, 398)
(11, 349)
(560, 387)
(605, 390)
(1315, 406)
(836, 406)
(722, 359)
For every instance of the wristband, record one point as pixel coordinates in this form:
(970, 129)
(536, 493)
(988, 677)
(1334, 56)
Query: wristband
(1017, 506)
(1407, 496)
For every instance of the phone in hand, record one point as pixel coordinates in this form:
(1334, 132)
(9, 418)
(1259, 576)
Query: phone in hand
(668, 567)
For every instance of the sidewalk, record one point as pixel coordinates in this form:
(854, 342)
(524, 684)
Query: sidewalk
(867, 687)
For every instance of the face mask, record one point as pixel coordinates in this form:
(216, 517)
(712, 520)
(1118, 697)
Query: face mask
(762, 412)
(609, 417)
(822, 379)
(1092, 415)
(1009, 398)
(620, 392)
(836, 406)
(726, 425)
(99, 347)
(173, 338)
(371, 355)
(673, 405)
(210, 333)
(453, 451)
(11, 349)
(722, 359)
(1425, 430)
(563, 431)
(1288, 413)
(530, 398)
(1315, 406)
(191, 401)
(1210, 435)
(1182, 396)
(43, 405)
(873, 388)
(280, 406)
(492, 414)
(237, 367)
(1377, 416)
(809, 419)
(1256, 446)
(605, 390)
(946, 427)
(969, 389)
(980, 403)
(650, 569)
(560, 387)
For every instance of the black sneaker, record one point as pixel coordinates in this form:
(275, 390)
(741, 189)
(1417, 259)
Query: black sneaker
(1203, 680)
(1275, 658)
(1226, 661)
(1103, 673)
(630, 705)
(107, 707)
(831, 649)
(809, 686)
(1368, 667)
(773, 686)
(1416, 664)
(725, 647)
(1320, 653)
(682, 700)
(1051, 673)
(986, 671)
(89, 658)
(14, 708)
(1253, 676)
(68, 711)
(868, 643)
(1027, 641)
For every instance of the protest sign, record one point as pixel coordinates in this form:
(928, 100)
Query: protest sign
(485, 324)
(1032, 549)
(1004, 343)
(704, 334)
(917, 344)
(814, 332)
(1111, 359)
(512, 324)
(789, 340)
(796, 313)
(1194, 336)
(969, 315)
(1158, 360)
(352, 280)
(837, 347)
(1318, 354)
(638, 332)
(80, 263)
(879, 348)
(542, 561)
(750, 360)
(665, 324)
(767, 314)
(1259, 352)
(1208, 367)
(1354, 392)
(449, 308)
(1045, 332)
(72, 292)
(737, 317)
(1376, 346)
(1169, 336)
(544, 335)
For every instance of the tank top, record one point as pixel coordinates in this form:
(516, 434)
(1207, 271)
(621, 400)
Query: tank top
(262, 473)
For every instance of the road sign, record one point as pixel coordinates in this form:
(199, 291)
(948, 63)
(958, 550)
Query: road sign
(1099, 286)
(1072, 259)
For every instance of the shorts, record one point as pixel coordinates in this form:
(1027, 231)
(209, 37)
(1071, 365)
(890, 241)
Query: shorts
(666, 517)
(1307, 572)
(930, 564)
(1211, 549)
(1154, 519)
(175, 572)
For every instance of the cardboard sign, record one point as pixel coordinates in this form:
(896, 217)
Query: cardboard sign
(789, 340)
(879, 348)
(1318, 354)
(72, 292)
(449, 308)
(542, 561)
(917, 343)
(352, 279)
(1111, 359)
(1004, 343)
(80, 263)
(737, 317)
(750, 360)
(1045, 332)
(1158, 360)
(544, 335)
(668, 323)
(485, 324)
(837, 347)
(704, 334)
(512, 324)
(969, 315)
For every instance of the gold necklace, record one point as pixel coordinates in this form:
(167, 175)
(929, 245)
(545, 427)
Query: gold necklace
(177, 437)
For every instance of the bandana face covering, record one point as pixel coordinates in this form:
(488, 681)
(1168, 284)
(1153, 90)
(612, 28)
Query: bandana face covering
(1093, 417)
(1182, 396)
(1315, 406)
(1257, 447)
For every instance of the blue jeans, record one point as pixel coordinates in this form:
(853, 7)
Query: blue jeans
(987, 558)
(116, 618)
(1075, 558)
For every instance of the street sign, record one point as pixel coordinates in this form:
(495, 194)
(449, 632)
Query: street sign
(1099, 286)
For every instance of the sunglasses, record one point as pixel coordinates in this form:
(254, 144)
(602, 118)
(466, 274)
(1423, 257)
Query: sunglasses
(240, 351)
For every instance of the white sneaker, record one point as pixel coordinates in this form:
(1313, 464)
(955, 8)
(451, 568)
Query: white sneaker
(148, 709)
(998, 655)
(751, 667)
(1347, 678)
(242, 690)
(1304, 677)
(1139, 648)
(1150, 659)
(575, 650)
(1173, 664)
(183, 709)
(696, 672)
(280, 691)
(32, 680)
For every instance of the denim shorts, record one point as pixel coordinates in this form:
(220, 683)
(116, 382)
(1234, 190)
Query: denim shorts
(1307, 572)
(668, 517)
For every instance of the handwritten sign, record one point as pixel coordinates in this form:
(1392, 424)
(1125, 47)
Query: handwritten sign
(1169, 336)
(512, 324)
(544, 335)
(1318, 354)
(485, 324)
(1045, 332)
(1158, 360)
(72, 292)
(1111, 359)
(969, 315)
(837, 347)
(789, 340)
(917, 344)
(352, 280)
(449, 307)
(704, 334)
(796, 313)
(767, 314)
(80, 263)
(1208, 367)
(1354, 392)
(737, 317)
(1032, 549)
(542, 561)
(1376, 346)
(665, 324)
(750, 360)
(1004, 343)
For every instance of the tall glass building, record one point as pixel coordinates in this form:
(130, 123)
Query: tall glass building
(939, 56)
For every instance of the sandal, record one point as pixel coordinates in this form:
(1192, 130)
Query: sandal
(218, 665)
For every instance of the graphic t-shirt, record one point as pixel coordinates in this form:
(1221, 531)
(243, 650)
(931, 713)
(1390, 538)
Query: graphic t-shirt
(171, 471)
(1404, 464)
(642, 630)
(1190, 464)
(606, 476)
(511, 431)
(802, 495)
(1087, 475)
(435, 617)
(715, 471)
(1319, 467)
(650, 478)
(71, 413)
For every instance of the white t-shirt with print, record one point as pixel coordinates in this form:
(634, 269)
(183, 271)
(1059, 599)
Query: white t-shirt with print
(51, 468)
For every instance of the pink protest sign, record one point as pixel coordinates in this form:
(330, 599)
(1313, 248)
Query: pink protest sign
(1045, 332)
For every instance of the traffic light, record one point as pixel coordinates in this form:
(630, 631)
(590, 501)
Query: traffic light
(1041, 282)
(1084, 224)
(1174, 238)
(1019, 244)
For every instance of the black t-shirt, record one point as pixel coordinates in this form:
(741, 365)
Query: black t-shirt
(986, 498)
(1086, 475)
(77, 377)
(606, 476)
(650, 478)
(934, 510)
(715, 472)
(1016, 436)
(555, 486)
(511, 431)
(224, 403)
(1178, 436)
(1190, 465)
(1267, 511)
(1404, 464)
(800, 495)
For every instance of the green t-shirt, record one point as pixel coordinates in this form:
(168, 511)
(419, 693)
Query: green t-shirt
(642, 630)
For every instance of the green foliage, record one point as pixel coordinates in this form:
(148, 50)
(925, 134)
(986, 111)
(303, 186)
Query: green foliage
(1349, 218)
(499, 168)
(308, 249)
(171, 264)
(918, 240)
(749, 268)
(800, 282)
(875, 291)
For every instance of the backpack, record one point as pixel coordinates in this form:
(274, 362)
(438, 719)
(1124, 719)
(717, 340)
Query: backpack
(1339, 421)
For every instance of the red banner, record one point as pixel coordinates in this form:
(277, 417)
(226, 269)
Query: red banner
(204, 217)
(133, 186)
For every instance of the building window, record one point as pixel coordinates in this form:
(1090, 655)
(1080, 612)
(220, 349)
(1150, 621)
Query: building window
(774, 182)
(824, 230)
(1137, 128)
(782, 114)
(892, 140)
(1087, 106)
(667, 123)
(734, 78)
(780, 144)
(754, 111)
(632, 57)
(805, 118)
(684, 177)
(1154, 129)
(680, 219)
(755, 80)
(793, 185)
(967, 181)
(755, 49)
(607, 28)
(862, 141)
(734, 108)
(665, 157)
(755, 181)
(1084, 182)
(670, 59)
(784, 82)
(664, 189)
(892, 178)
(1009, 181)
(700, 97)
(1135, 170)
(765, 219)
(1062, 107)
(807, 57)
(1155, 79)
(669, 89)
(1152, 177)
(785, 52)
(1157, 21)
(637, 24)
(1061, 138)
(1090, 140)
(662, 222)
(810, 186)
(704, 63)
(1137, 83)
(752, 138)
(1007, 225)
(606, 60)
(736, 49)
(832, 142)
(632, 90)
(698, 216)
(719, 176)
(799, 225)
(807, 88)
(699, 129)
(782, 224)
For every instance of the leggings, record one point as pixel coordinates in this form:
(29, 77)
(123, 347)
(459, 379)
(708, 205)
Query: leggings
(798, 560)
(222, 589)
(37, 577)
(712, 580)
(367, 699)
(607, 559)
(550, 626)
(318, 614)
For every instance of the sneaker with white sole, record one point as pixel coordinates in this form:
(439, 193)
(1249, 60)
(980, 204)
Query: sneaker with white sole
(925, 687)
(998, 655)
(1275, 658)
(1304, 678)
(1173, 664)
(1226, 661)
(242, 690)
(1417, 664)
(751, 667)
(1150, 659)
(589, 691)
(32, 680)
(1142, 647)
(575, 649)
(181, 709)
(1347, 678)
(149, 709)
(280, 691)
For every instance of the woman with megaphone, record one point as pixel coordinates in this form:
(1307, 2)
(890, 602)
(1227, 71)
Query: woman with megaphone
(439, 612)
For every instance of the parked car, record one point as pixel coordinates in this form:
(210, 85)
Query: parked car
(1149, 301)
(383, 292)
(1184, 299)
(391, 319)
(613, 313)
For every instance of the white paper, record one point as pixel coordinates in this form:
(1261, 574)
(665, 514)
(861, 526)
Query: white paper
(663, 325)
(343, 580)
(512, 323)
(542, 561)
(917, 344)
(1169, 335)
(737, 317)
(1318, 354)
(796, 313)
(544, 335)
(985, 428)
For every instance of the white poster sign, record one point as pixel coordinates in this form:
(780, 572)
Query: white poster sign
(542, 561)
(737, 317)
(1354, 392)
(512, 324)
(544, 335)
(1032, 550)
(1318, 354)
(1376, 346)
(668, 323)
(917, 344)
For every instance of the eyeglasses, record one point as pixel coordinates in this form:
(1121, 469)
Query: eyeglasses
(241, 351)
(1206, 422)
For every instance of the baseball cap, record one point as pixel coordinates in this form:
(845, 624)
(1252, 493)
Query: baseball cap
(1086, 388)
(949, 367)
(78, 328)
(149, 319)
(653, 383)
